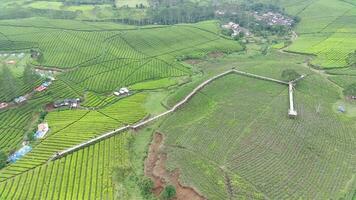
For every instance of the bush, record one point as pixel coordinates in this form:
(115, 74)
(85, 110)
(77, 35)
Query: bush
(146, 185)
(169, 192)
(290, 74)
(350, 90)
(227, 32)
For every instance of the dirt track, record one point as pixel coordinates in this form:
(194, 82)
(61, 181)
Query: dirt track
(155, 168)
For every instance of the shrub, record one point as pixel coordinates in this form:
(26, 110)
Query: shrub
(169, 192)
(146, 185)
(350, 90)
(290, 74)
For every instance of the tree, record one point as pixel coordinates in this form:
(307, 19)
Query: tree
(29, 77)
(146, 185)
(169, 192)
(227, 32)
(3, 159)
(290, 75)
(8, 83)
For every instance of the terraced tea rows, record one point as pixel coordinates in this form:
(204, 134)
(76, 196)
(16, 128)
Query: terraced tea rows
(105, 56)
(327, 31)
(14, 125)
(86, 174)
(222, 133)
(72, 127)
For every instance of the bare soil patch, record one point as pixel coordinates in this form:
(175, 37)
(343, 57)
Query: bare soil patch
(155, 168)
(216, 54)
(193, 61)
(49, 107)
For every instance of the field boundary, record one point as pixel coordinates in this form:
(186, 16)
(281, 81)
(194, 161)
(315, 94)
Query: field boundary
(174, 108)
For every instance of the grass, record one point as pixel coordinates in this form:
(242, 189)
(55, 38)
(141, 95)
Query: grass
(350, 108)
(154, 84)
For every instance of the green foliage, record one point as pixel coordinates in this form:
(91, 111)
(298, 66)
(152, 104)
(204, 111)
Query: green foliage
(168, 193)
(351, 60)
(226, 32)
(9, 85)
(121, 173)
(3, 159)
(185, 11)
(350, 90)
(290, 75)
(146, 184)
(29, 76)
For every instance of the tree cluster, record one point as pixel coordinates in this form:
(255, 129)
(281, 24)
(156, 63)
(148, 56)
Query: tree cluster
(8, 83)
(168, 193)
(184, 11)
(87, 2)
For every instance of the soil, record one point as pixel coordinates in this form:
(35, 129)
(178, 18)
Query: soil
(53, 69)
(193, 61)
(216, 54)
(49, 107)
(155, 168)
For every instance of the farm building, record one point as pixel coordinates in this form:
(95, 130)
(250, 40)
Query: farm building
(44, 86)
(42, 130)
(20, 99)
(19, 154)
(41, 88)
(72, 103)
(122, 91)
(3, 105)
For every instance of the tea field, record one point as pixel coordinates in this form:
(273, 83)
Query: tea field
(89, 60)
(326, 30)
(234, 140)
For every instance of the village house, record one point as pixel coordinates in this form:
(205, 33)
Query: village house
(20, 99)
(272, 19)
(43, 86)
(3, 105)
(42, 130)
(72, 103)
(237, 29)
(122, 91)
